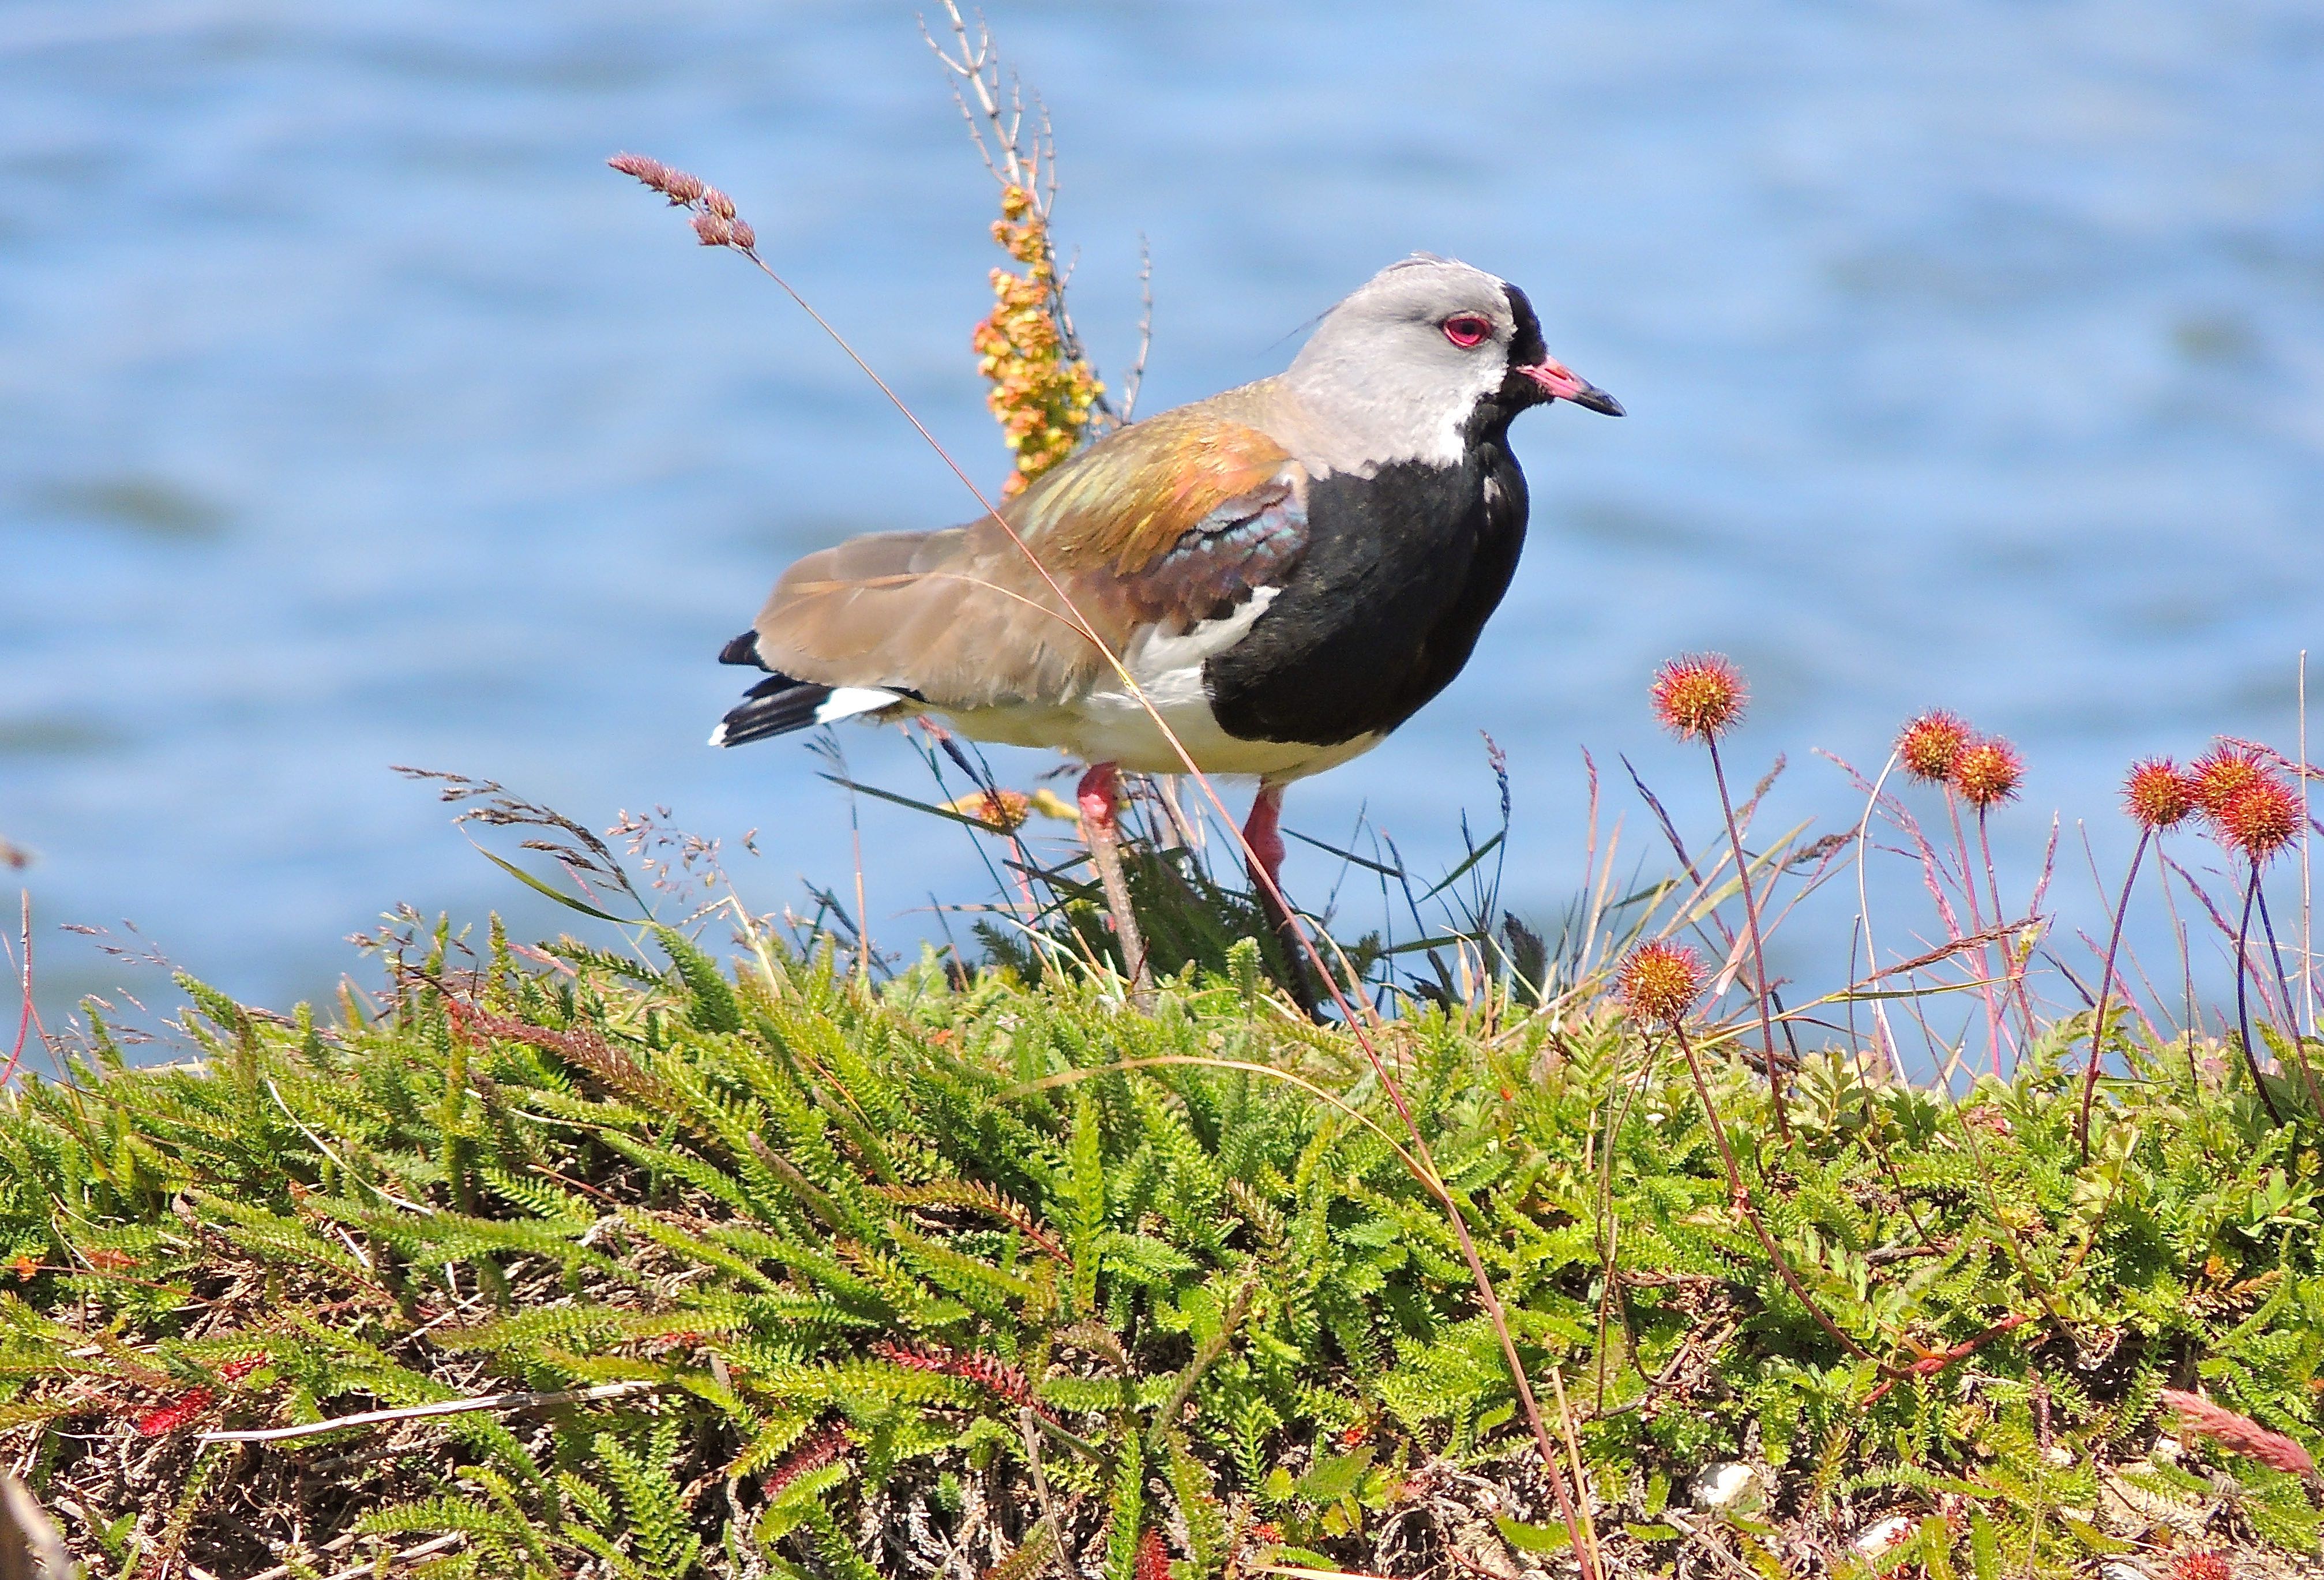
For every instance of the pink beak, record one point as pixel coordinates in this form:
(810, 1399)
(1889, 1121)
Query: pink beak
(1563, 385)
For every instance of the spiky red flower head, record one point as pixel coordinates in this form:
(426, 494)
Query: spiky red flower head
(2221, 772)
(2201, 1564)
(1931, 744)
(1987, 772)
(1659, 982)
(1699, 696)
(2261, 819)
(2157, 795)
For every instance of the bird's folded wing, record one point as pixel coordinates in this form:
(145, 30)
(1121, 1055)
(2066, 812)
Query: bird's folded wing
(1167, 522)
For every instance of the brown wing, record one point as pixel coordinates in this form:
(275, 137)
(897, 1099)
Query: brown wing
(1151, 525)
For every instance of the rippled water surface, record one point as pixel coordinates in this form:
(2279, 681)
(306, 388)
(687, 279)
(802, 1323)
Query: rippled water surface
(352, 413)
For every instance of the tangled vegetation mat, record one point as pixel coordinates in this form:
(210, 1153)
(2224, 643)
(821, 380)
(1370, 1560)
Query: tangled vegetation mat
(781, 1272)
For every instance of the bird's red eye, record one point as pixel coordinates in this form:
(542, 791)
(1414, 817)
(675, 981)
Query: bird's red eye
(1467, 329)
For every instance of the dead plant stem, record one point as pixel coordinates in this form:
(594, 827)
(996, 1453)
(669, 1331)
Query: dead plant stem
(1759, 956)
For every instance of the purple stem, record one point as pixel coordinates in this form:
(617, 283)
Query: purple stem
(2105, 986)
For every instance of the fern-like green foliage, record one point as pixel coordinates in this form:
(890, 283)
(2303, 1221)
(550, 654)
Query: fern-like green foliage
(897, 1270)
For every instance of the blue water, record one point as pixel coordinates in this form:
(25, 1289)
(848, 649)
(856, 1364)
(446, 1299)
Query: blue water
(352, 413)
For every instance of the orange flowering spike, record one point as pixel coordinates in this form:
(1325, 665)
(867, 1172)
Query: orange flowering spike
(1699, 696)
(1986, 774)
(2157, 795)
(1931, 744)
(2201, 1564)
(1659, 982)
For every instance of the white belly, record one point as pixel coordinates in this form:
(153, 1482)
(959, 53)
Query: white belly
(1110, 724)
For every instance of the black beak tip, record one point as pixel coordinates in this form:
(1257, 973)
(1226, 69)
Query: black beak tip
(1599, 401)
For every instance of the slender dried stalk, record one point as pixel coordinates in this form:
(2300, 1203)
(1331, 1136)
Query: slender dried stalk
(1759, 956)
(2243, 1002)
(1740, 1194)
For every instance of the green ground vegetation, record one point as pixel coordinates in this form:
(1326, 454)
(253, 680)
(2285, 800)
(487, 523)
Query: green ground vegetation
(962, 1273)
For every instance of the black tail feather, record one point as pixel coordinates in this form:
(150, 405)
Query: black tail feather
(743, 650)
(776, 706)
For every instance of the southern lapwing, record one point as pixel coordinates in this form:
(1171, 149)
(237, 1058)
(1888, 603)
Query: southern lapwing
(1288, 570)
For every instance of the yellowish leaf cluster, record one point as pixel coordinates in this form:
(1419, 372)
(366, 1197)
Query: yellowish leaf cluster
(1042, 397)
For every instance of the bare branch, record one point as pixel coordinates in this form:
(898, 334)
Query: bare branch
(1137, 379)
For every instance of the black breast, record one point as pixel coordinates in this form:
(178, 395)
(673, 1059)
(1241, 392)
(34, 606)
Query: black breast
(1401, 570)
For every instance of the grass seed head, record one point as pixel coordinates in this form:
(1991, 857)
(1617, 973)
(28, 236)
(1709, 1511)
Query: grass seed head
(2157, 794)
(1931, 744)
(1987, 772)
(714, 231)
(1659, 982)
(1699, 696)
(2261, 819)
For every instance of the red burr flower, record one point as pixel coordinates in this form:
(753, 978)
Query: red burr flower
(1659, 982)
(2157, 795)
(2225, 769)
(2201, 1564)
(1986, 774)
(2261, 819)
(1699, 696)
(1931, 744)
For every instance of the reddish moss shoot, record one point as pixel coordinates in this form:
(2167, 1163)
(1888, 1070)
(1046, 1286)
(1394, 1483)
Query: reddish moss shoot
(1659, 982)
(1931, 744)
(1153, 1557)
(1699, 697)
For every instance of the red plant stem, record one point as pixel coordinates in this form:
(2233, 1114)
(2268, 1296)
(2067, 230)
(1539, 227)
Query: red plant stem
(2105, 987)
(1977, 925)
(2243, 1003)
(1740, 1195)
(1758, 957)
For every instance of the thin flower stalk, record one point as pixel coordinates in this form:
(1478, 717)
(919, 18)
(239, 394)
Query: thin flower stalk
(1701, 696)
(2158, 796)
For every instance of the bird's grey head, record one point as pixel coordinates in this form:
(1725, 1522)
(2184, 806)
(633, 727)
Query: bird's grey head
(1428, 353)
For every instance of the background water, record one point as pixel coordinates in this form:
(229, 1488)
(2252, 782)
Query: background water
(352, 413)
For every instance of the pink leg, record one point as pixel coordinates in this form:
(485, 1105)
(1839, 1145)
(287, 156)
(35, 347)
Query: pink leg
(1099, 790)
(1263, 832)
